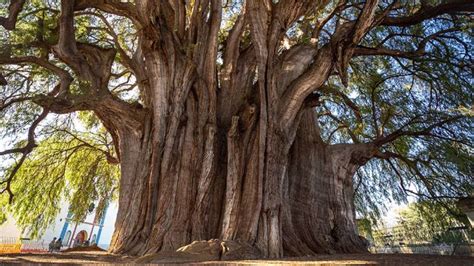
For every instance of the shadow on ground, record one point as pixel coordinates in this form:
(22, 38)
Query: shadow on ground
(338, 259)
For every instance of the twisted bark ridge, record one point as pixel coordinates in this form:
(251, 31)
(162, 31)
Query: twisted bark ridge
(223, 140)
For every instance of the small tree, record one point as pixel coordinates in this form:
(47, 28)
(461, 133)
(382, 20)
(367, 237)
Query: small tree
(432, 222)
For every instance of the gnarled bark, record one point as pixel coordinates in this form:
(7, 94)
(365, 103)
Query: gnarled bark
(233, 151)
(302, 205)
(319, 212)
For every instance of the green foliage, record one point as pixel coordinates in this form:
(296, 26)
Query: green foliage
(37, 23)
(364, 226)
(430, 221)
(410, 95)
(66, 167)
(427, 222)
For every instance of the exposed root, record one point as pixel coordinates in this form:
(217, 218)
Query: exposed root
(211, 250)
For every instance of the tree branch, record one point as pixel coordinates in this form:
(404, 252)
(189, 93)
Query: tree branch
(14, 9)
(352, 105)
(303, 86)
(320, 25)
(64, 76)
(364, 21)
(31, 136)
(126, 61)
(116, 7)
(400, 132)
(110, 158)
(420, 51)
(232, 51)
(4, 104)
(342, 124)
(25, 150)
(3, 81)
(428, 12)
(66, 46)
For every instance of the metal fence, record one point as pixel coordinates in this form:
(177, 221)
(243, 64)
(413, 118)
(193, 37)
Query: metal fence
(442, 249)
(8, 240)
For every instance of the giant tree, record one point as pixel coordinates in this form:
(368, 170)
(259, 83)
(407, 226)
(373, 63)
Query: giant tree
(247, 120)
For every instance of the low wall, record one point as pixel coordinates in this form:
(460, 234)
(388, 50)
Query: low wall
(32, 246)
(460, 249)
(10, 248)
(14, 245)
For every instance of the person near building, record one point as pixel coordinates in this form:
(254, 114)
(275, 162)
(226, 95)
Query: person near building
(58, 245)
(52, 245)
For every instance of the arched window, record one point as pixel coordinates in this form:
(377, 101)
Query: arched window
(66, 238)
(93, 239)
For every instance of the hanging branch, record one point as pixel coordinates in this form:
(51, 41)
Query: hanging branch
(25, 151)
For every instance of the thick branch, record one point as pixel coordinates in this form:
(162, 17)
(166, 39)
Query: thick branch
(67, 40)
(365, 20)
(64, 104)
(14, 9)
(232, 51)
(303, 86)
(348, 35)
(92, 63)
(115, 7)
(367, 51)
(259, 13)
(124, 58)
(3, 81)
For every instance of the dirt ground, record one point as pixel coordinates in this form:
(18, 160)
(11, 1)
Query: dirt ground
(346, 259)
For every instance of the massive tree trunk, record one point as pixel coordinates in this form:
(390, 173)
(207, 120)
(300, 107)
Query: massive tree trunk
(320, 214)
(214, 182)
(210, 163)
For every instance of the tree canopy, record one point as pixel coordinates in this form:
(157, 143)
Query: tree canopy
(396, 75)
(68, 165)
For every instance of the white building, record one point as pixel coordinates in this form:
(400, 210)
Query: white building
(96, 230)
